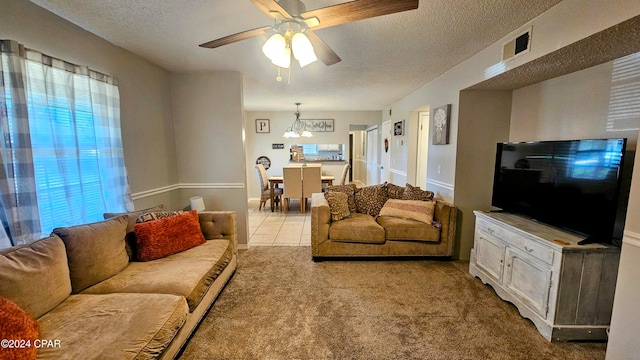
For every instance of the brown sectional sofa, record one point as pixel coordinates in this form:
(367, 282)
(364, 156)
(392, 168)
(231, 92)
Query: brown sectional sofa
(363, 235)
(145, 310)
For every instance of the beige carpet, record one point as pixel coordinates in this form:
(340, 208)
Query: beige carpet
(281, 305)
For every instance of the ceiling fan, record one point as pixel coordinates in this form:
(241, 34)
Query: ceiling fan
(291, 18)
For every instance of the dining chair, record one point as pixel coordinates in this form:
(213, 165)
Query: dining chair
(345, 173)
(292, 181)
(265, 192)
(311, 183)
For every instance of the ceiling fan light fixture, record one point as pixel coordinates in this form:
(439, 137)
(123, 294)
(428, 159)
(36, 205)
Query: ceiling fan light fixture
(283, 60)
(302, 49)
(274, 46)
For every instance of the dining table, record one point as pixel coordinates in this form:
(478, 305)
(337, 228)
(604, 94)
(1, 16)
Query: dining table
(279, 179)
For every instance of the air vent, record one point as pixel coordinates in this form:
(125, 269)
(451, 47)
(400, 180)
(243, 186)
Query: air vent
(519, 45)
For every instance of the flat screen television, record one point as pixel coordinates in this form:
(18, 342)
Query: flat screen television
(575, 185)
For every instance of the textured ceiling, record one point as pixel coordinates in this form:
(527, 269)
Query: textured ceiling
(383, 59)
(610, 44)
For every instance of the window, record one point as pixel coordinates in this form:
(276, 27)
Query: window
(62, 162)
(76, 143)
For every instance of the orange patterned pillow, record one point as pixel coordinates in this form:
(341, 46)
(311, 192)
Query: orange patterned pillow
(19, 329)
(164, 237)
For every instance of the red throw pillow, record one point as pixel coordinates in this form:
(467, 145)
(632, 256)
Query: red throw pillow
(164, 237)
(18, 331)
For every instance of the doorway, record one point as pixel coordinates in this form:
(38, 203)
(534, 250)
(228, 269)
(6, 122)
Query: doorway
(372, 155)
(423, 149)
(385, 154)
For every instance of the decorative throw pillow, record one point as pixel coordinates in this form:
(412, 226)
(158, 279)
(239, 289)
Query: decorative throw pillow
(418, 210)
(370, 199)
(338, 205)
(414, 193)
(348, 189)
(394, 191)
(157, 215)
(164, 237)
(35, 276)
(95, 251)
(16, 324)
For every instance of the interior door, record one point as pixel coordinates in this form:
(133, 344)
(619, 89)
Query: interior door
(372, 156)
(385, 154)
(423, 149)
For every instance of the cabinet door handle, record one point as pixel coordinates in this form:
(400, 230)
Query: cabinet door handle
(528, 248)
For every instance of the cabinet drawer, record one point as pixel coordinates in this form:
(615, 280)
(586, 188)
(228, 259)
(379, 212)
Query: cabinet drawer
(517, 241)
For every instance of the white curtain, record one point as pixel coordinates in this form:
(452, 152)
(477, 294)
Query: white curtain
(74, 116)
(18, 201)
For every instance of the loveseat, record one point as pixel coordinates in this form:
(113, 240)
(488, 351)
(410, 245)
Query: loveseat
(382, 221)
(93, 301)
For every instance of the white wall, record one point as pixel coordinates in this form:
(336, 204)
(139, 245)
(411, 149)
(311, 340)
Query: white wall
(259, 144)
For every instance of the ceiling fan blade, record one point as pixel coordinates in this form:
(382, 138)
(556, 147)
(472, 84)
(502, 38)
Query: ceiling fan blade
(236, 37)
(271, 8)
(358, 10)
(323, 51)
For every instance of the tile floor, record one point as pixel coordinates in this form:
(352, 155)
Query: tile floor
(278, 228)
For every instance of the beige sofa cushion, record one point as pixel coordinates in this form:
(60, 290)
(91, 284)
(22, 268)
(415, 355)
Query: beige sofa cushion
(360, 228)
(35, 276)
(95, 251)
(188, 273)
(409, 230)
(132, 217)
(113, 326)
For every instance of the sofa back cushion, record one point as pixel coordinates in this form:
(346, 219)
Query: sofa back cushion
(132, 217)
(164, 237)
(35, 276)
(95, 251)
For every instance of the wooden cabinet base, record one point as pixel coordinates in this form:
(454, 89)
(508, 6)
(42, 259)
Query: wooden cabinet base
(564, 288)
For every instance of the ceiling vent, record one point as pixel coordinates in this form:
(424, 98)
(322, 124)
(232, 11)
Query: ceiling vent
(519, 45)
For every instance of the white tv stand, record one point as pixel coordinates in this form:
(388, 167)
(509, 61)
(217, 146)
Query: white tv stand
(564, 288)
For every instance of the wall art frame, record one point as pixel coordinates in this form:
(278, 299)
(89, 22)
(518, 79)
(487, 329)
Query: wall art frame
(398, 128)
(319, 125)
(263, 126)
(440, 117)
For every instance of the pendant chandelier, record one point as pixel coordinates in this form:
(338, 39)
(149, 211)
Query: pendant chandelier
(298, 128)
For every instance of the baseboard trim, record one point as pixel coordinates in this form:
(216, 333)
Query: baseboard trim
(164, 189)
(631, 238)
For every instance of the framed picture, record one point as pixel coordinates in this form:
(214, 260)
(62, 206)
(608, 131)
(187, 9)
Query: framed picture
(440, 117)
(262, 126)
(398, 128)
(320, 125)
